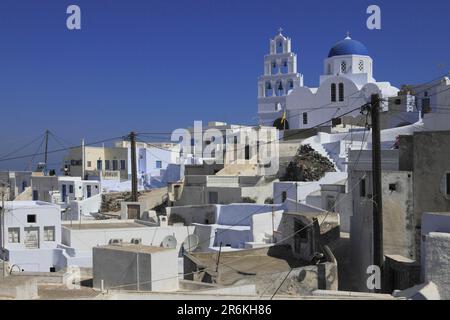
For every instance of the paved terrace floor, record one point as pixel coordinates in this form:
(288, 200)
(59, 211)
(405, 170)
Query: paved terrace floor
(237, 265)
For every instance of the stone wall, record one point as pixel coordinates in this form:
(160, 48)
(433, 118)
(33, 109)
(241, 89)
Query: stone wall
(438, 262)
(431, 154)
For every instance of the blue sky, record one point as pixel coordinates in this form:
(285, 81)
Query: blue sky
(157, 65)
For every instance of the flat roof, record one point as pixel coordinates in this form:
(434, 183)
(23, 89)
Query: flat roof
(237, 265)
(130, 247)
(22, 204)
(99, 226)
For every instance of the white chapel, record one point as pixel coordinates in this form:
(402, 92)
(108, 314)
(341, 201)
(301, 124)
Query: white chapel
(346, 83)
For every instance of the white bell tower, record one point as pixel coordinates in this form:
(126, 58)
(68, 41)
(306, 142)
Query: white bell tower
(279, 78)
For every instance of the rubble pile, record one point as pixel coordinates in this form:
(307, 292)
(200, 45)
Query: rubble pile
(111, 201)
(307, 165)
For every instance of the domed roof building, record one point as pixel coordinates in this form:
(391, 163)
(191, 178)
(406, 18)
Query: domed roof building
(346, 83)
(348, 46)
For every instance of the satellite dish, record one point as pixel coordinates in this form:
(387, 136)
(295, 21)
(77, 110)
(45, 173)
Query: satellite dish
(169, 242)
(190, 243)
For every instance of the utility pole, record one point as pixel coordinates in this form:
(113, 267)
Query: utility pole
(138, 280)
(378, 256)
(218, 260)
(3, 232)
(134, 196)
(273, 225)
(46, 147)
(82, 159)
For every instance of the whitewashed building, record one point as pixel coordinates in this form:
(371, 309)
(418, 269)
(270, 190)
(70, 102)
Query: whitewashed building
(347, 83)
(32, 235)
(433, 100)
(158, 163)
(78, 197)
(15, 181)
(279, 79)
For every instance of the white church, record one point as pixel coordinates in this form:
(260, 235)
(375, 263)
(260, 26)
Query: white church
(346, 83)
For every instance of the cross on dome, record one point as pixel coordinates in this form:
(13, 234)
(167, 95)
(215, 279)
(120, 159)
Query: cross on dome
(348, 35)
(280, 30)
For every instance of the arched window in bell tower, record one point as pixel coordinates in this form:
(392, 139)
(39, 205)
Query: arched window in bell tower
(284, 66)
(268, 92)
(274, 67)
(279, 91)
(290, 84)
(279, 46)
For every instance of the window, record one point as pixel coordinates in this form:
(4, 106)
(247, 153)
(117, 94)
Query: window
(70, 188)
(333, 92)
(341, 91)
(35, 195)
(122, 165)
(268, 89)
(343, 67)
(107, 166)
(49, 233)
(89, 164)
(361, 65)
(247, 152)
(283, 196)
(13, 235)
(235, 139)
(274, 69)
(392, 187)
(31, 218)
(305, 118)
(99, 165)
(336, 121)
(115, 165)
(277, 106)
(158, 164)
(213, 197)
(329, 69)
(284, 67)
(279, 47)
(362, 188)
(279, 89)
(291, 84)
(448, 183)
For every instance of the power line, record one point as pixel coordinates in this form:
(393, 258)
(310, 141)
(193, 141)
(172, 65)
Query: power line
(21, 148)
(281, 284)
(59, 150)
(38, 148)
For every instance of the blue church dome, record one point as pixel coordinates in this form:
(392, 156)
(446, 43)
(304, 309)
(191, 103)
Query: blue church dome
(347, 47)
